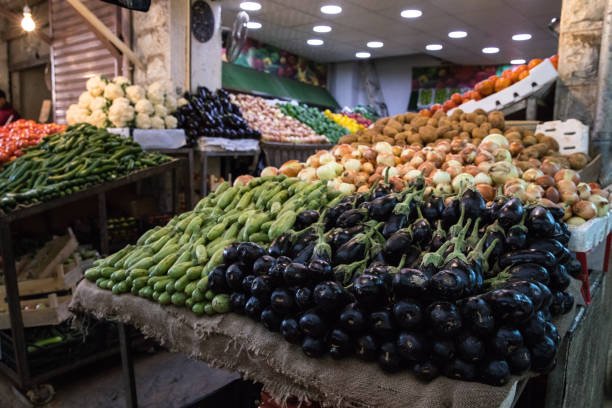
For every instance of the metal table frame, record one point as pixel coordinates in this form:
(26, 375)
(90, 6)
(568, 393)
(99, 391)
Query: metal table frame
(205, 154)
(22, 376)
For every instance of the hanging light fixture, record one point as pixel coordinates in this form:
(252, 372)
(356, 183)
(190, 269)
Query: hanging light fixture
(27, 23)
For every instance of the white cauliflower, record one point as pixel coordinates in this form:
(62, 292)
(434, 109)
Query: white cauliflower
(76, 114)
(161, 111)
(168, 86)
(120, 112)
(171, 122)
(144, 106)
(120, 80)
(85, 100)
(97, 118)
(95, 85)
(143, 121)
(157, 123)
(170, 103)
(113, 91)
(156, 92)
(97, 103)
(182, 101)
(135, 93)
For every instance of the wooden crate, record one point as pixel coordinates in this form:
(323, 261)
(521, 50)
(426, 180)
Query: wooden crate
(54, 312)
(523, 124)
(58, 283)
(279, 153)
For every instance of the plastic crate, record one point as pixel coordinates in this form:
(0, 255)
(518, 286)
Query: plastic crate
(572, 135)
(278, 153)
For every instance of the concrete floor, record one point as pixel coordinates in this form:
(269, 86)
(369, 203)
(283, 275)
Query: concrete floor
(163, 379)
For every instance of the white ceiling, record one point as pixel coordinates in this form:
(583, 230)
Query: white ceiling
(288, 24)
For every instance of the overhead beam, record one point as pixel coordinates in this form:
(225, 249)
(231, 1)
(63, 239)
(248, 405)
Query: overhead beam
(99, 27)
(16, 18)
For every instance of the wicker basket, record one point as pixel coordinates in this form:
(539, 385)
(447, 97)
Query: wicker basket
(279, 153)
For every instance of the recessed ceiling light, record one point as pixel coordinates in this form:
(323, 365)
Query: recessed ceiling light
(457, 34)
(490, 50)
(375, 44)
(253, 25)
(521, 37)
(363, 54)
(433, 47)
(331, 9)
(321, 29)
(250, 6)
(411, 13)
(517, 61)
(314, 41)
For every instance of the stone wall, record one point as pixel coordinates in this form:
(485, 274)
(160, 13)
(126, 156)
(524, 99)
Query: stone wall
(4, 73)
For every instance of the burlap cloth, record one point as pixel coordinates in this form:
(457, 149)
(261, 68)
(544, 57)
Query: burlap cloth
(237, 343)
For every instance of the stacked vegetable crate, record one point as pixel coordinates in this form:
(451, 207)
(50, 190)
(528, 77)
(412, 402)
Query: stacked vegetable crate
(279, 153)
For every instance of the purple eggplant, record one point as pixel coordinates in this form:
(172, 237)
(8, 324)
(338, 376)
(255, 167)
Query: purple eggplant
(248, 252)
(312, 325)
(426, 370)
(432, 208)
(282, 302)
(516, 237)
(381, 324)
(388, 358)
(495, 372)
(421, 232)
(560, 251)
(230, 253)
(505, 341)
(510, 305)
(533, 328)
(573, 268)
(329, 296)
(444, 318)
(529, 289)
(492, 210)
(473, 203)
(237, 302)
(510, 213)
(366, 348)
(216, 280)
(552, 333)
(559, 279)
(370, 291)
(352, 319)
(290, 330)
(253, 308)
(546, 295)
(540, 222)
(478, 315)
(303, 298)
(305, 219)
(395, 223)
(313, 348)
(528, 272)
(320, 271)
(381, 208)
(234, 275)
(280, 246)
(409, 282)
(543, 355)
(408, 314)
(519, 360)
(295, 274)
(339, 344)
(470, 348)
(350, 218)
(413, 346)
(451, 213)
(442, 351)
(448, 285)
(544, 258)
(460, 370)
(261, 288)
(270, 319)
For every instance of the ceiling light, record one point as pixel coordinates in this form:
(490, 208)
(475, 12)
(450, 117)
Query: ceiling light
(331, 9)
(363, 54)
(27, 23)
(321, 29)
(490, 50)
(433, 47)
(253, 25)
(314, 41)
(517, 61)
(411, 13)
(375, 44)
(250, 6)
(457, 34)
(521, 37)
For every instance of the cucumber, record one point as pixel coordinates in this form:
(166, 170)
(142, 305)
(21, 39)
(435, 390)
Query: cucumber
(220, 303)
(198, 308)
(170, 286)
(162, 267)
(178, 298)
(120, 288)
(160, 286)
(191, 286)
(92, 274)
(201, 254)
(194, 272)
(155, 295)
(118, 275)
(189, 302)
(179, 269)
(180, 284)
(164, 298)
(145, 292)
(139, 283)
(144, 263)
(202, 284)
(197, 295)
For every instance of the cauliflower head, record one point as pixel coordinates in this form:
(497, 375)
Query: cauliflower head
(156, 92)
(144, 106)
(143, 121)
(135, 93)
(76, 114)
(157, 123)
(95, 85)
(85, 100)
(113, 91)
(120, 80)
(171, 122)
(99, 102)
(181, 102)
(120, 112)
(97, 118)
(161, 111)
(170, 103)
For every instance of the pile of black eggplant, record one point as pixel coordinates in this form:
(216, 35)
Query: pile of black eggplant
(212, 114)
(442, 286)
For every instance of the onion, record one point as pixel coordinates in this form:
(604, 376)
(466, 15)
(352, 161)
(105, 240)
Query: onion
(393, 172)
(454, 171)
(352, 164)
(515, 148)
(308, 174)
(326, 172)
(502, 171)
(361, 179)
(369, 155)
(442, 189)
(440, 176)
(483, 156)
(602, 205)
(496, 138)
(343, 150)
(469, 153)
(567, 207)
(566, 186)
(347, 188)
(396, 150)
(488, 146)
(567, 174)
(603, 193)
(544, 180)
(428, 192)
(313, 161)
(569, 197)
(243, 180)
(485, 167)
(435, 157)
(584, 191)
(533, 192)
(547, 203)
(427, 167)
(461, 181)
(269, 171)
(443, 146)
(385, 159)
(549, 168)
(291, 168)
(553, 194)
(407, 155)
(532, 174)
(482, 178)
(363, 189)
(515, 190)
(502, 155)
(383, 147)
(367, 167)
(575, 221)
(473, 170)
(412, 174)
(487, 191)
(326, 158)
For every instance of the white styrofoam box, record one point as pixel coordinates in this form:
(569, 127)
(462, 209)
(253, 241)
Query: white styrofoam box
(542, 74)
(572, 135)
(221, 143)
(160, 138)
(123, 132)
(590, 234)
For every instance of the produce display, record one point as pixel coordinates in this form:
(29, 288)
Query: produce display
(23, 133)
(212, 114)
(345, 121)
(173, 264)
(316, 120)
(66, 162)
(448, 287)
(367, 112)
(521, 164)
(358, 118)
(490, 86)
(117, 103)
(273, 124)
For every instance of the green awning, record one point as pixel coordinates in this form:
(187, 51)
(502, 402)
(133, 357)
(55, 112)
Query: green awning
(239, 78)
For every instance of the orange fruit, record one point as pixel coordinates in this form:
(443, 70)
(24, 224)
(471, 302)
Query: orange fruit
(475, 95)
(507, 74)
(555, 61)
(436, 107)
(425, 112)
(485, 88)
(502, 83)
(492, 78)
(457, 98)
(448, 105)
(523, 75)
(534, 63)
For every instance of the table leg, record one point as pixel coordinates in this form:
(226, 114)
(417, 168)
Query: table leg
(102, 217)
(129, 380)
(606, 263)
(584, 277)
(204, 174)
(190, 186)
(12, 293)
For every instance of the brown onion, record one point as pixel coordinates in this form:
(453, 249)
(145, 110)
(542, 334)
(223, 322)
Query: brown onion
(567, 174)
(552, 194)
(515, 148)
(584, 191)
(584, 209)
(545, 181)
(569, 197)
(549, 169)
(566, 186)
(488, 192)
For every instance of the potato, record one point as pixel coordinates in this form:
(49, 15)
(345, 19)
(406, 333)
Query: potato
(468, 126)
(496, 119)
(395, 125)
(399, 118)
(382, 121)
(389, 131)
(476, 141)
(348, 139)
(513, 129)
(427, 133)
(442, 130)
(439, 115)
(389, 140)
(529, 140)
(528, 133)
(414, 139)
(479, 133)
(486, 127)
(513, 136)
(464, 135)
(495, 130)
(432, 122)
(480, 111)
(408, 116)
(550, 142)
(471, 117)
(450, 134)
(540, 137)
(419, 121)
(480, 119)
(578, 160)
(456, 115)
